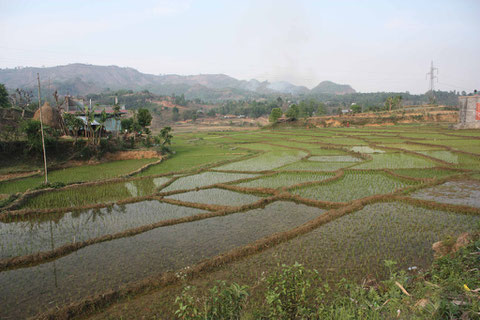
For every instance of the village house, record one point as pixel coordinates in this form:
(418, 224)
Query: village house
(77, 107)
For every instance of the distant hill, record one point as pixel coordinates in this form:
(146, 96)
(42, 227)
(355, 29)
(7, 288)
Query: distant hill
(82, 79)
(332, 88)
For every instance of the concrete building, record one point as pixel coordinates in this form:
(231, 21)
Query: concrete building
(469, 112)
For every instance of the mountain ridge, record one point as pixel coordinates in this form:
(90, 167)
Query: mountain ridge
(81, 79)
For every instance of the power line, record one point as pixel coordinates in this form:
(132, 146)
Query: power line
(433, 75)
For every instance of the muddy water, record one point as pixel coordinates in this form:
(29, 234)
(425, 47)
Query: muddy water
(465, 192)
(365, 149)
(49, 231)
(104, 266)
(216, 196)
(204, 179)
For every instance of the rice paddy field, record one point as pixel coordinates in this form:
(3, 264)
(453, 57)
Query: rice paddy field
(115, 242)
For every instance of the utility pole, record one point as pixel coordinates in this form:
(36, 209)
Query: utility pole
(433, 74)
(41, 129)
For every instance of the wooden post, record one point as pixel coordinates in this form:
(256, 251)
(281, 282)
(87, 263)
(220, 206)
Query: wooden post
(41, 129)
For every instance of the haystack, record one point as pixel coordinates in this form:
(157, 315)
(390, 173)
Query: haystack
(50, 116)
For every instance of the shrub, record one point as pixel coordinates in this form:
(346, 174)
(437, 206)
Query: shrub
(32, 129)
(289, 293)
(224, 302)
(275, 114)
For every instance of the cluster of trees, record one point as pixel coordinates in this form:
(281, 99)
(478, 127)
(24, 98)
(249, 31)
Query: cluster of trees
(134, 100)
(252, 109)
(4, 100)
(376, 101)
(255, 109)
(138, 123)
(179, 100)
(304, 109)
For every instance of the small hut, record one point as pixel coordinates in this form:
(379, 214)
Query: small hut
(50, 116)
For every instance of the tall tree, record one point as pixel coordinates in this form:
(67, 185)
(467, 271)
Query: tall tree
(166, 136)
(22, 99)
(175, 114)
(275, 114)
(4, 101)
(144, 118)
(293, 112)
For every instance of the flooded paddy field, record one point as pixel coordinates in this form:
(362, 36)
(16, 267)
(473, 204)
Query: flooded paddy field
(366, 184)
(111, 264)
(22, 236)
(464, 192)
(355, 246)
(190, 212)
(84, 195)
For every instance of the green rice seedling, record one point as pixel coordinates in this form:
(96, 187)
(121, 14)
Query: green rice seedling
(393, 140)
(266, 161)
(311, 147)
(467, 133)
(466, 161)
(341, 140)
(49, 231)
(115, 263)
(215, 196)
(466, 192)
(77, 174)
(356, 245)
(352, 246)
(354, 186)
(335, 159)
(366, 149)
(315, 166)
(410, 147)
(103, 193)
(188, 157)
(262, 147)
(428, 136)
(468, 145)
(285, 180)
(425, 173)
(18, 168)
(396, 161)
(205, 179)
(447, 156)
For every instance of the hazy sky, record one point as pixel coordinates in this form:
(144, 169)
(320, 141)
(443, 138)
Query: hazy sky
(371, 45)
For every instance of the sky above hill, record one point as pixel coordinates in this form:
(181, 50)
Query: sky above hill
(372, 45)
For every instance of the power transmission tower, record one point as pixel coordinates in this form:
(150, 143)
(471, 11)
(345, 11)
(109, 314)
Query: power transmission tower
(433, 74)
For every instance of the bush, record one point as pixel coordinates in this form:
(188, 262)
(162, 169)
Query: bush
(163, 150)
(32, 129)
(127, 124)
(87, 152)
(449, 290)
(275, 114)
(289, 293)
(224, 302)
